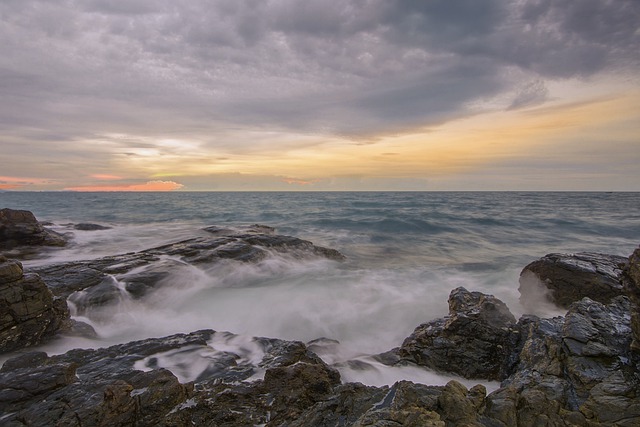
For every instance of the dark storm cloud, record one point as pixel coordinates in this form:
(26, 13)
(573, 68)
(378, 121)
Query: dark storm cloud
(84, 68)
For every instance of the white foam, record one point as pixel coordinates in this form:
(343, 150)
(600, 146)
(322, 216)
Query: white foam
(371, 372)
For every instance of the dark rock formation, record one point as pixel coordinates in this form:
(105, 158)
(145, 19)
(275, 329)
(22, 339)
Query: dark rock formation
(571, 277)
(29, 313)
(572, 370)
(576, 370)
(21, 228)
(84, 226)
(632, 290)
(102, 280)
(474, 341)
(128, 384)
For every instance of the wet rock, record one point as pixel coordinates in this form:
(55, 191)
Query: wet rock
(29, 313)
(131, 384)
(632, 290)
(577, 369)
(10, 270)
(474, 341)
(571, 277)
(21, 228)
(295, 388)
(104, 281)
(84, 226)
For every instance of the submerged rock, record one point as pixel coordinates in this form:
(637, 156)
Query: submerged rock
(474, 341)
(21, 228)
(29, 313)
(570, 277)
(85, 226)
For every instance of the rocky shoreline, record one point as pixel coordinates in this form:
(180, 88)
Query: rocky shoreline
(579, 369)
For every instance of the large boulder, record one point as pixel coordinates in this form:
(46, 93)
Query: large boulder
(21, 228)
(29, 313)
(567, 278)
(474, 341)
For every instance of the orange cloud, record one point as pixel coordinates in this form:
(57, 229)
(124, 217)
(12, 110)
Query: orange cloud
(299, 181)
(9, 186)
(148, 186)
(105, 177)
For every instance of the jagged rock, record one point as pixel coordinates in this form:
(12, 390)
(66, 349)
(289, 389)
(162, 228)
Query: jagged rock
(29, 313)
(571, 277)
(474, 341)
(297, 387)
(129, 384)
(21, 228)
(632, 290)
(576, 370)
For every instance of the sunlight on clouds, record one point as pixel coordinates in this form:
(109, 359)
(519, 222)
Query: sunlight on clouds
(456, 147)
(462, 144)
(105, 177)
(148, 186)
(17, 183)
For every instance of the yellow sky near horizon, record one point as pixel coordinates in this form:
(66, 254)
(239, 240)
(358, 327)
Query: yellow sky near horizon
(581, 130)
(462, 144)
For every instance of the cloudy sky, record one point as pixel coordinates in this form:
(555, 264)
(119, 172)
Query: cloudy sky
(320, 95)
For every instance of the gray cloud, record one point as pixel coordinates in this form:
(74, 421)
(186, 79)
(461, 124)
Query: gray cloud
(72, 69)
(532, 93)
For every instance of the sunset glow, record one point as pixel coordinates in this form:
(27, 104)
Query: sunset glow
(378, 96)
(148, 186)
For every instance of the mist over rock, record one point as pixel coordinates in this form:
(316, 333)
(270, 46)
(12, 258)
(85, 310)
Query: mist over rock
(129, 384)
(578, 369)
(85, 226)
(106, 280)
(570, 277)
(474, 341)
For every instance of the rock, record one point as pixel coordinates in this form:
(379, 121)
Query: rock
(21, 228)
(104, 281)
(10, 271)
(29, 313)
(632, 290)
(474, 341)
(83, 226)
(571, 277)
(574, 370)
(297, 387)
(129, 384)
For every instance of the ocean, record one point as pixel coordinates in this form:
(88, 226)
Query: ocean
(405, 252)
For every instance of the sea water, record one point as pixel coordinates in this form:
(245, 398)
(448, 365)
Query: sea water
(405, 252)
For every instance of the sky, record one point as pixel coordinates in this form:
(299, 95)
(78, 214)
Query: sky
(289, 95)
